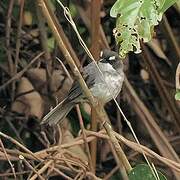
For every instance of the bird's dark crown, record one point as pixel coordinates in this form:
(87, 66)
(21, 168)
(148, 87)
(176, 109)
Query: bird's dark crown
(111, 57)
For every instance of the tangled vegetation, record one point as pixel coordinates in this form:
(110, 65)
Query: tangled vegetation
(43, 48)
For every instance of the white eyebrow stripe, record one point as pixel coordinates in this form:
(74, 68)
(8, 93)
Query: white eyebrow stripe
(112, 58)
(101, 53)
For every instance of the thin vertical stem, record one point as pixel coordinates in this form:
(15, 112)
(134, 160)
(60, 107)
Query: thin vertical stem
(95, 29)
(85, 138)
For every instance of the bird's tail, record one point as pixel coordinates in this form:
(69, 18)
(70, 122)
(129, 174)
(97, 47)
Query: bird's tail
(57, 114)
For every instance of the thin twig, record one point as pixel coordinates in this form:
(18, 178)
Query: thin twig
(40, 171)
(18, 41)
(19, 145)
(8, 31)
(85, 138)
(6, 155)
(18, 45)
(62, 174)
(8, 44)
(11, 174)
(29, 165)
(44, 44)
(110, 174)
(178, 77)
(90, 174)
(14, 130)
(119, 164)
(19, 74)
(171, 39)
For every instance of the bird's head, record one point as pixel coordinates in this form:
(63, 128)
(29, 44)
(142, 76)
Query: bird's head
(111, 57)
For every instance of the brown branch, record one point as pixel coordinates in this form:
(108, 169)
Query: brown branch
(85, 17)
(95, 27)
(18, 40)
(8, 31)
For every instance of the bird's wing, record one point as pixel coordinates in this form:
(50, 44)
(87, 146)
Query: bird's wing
(89, 75)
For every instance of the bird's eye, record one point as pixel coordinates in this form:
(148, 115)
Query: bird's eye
(101, 53)
(112, 58)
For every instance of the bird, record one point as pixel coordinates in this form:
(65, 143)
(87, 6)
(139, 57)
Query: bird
(104, 82)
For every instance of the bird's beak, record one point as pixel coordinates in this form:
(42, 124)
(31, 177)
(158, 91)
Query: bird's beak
(103, 60)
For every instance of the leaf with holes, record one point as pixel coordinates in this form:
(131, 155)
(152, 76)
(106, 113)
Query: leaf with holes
(135, 21)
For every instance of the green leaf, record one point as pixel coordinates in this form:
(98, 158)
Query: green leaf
(177, 95)
(143, 171)
(135, 21)
(75, 122)
(85, 115)
(166, 5)
(51, 43)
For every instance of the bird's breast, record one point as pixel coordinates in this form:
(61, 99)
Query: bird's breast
(107, 86)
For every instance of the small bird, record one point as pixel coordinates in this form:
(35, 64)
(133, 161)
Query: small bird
(104, 86)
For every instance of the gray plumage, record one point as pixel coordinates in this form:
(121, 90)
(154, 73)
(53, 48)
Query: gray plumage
(104, 87)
